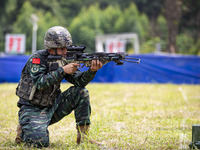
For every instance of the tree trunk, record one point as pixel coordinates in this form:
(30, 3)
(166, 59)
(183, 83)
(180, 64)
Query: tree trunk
(198, 25)
(173, 15)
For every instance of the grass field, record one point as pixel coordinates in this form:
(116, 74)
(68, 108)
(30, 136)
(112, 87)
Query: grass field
(124, 116)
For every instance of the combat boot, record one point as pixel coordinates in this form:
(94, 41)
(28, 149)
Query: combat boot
(82, 134)
(18, 140)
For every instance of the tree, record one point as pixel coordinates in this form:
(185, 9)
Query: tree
(46, 20)
(145, 18)
(190, 20)
(173, 15)
(132, 20)
(7, 15)
(152, 8)
(52, 6)
(109, 18)
(85, 26)
(93, 20)
(23, 23)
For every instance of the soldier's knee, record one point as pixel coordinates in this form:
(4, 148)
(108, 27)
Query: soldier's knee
(80, 91)
(35, 138)
(84, 92)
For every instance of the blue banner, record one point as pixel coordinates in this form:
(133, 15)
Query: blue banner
(176, 69)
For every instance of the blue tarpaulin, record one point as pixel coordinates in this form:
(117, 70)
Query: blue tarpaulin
(153, 68)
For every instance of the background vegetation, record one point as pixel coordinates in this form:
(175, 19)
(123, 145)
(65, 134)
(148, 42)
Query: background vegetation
(124, 116)
(174, 24)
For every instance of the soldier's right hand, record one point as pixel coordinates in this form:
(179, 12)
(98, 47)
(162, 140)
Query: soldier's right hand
(71, 68)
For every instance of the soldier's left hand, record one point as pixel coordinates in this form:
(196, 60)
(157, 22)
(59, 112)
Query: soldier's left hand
(96, 65)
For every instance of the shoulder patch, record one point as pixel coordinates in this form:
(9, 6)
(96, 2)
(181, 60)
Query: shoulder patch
(36, 61)
(35, 68)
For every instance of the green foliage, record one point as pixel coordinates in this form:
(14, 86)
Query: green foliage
(92, 21)
(129, 21)
(187, 45)
(184, 43)
(149, 46)
(162, 27)
(151, 8)
(195, 49)
(46, 20)
(87, 37)
(70, 9)
(7, 11)
(143, 28)
(110, 16)
(23, 23)
(85, 19)
(85, 26)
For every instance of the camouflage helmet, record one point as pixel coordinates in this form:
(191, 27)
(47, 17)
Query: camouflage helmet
(57, 37)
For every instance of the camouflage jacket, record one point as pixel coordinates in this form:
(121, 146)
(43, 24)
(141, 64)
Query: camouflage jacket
(40, 83)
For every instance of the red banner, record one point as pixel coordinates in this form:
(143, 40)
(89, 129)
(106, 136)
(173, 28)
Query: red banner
(15, 43)
(115, 46)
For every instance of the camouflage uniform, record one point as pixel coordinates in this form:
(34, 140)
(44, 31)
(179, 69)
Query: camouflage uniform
(41, 101)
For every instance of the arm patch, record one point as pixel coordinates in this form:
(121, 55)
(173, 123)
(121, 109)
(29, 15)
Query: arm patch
(36, 61)
(35, 68)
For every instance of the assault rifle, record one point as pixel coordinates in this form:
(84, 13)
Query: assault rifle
(76, 54)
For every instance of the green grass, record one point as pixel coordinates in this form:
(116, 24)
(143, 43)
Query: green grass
(124, 116)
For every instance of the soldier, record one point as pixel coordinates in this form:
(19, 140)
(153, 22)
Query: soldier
(41, 101)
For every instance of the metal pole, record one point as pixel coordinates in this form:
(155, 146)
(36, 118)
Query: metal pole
(34, 20)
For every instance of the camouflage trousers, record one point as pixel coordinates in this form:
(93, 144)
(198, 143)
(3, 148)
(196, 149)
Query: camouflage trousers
(35, 121)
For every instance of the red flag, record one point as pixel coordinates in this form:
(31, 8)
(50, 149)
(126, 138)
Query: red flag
(36, 61)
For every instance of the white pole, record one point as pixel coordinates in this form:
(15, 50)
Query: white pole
(136, 45)
(34, 20)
